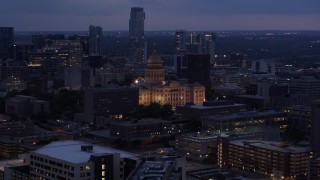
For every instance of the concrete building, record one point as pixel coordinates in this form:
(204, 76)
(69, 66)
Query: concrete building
(197, 112)
(299, 117)
(26, 105)
(76, 160)
(203, 146)
(306, 85)
(263, 66)
(314, 169)
(141, 128)
(137, 45)
(16, 69)
(95, 40)
(275, 159)
(76, 78)
(164, 168)
(243, 120)
(109, 102)
(16, 169)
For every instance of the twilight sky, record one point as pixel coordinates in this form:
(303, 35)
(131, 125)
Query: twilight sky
(56, 15)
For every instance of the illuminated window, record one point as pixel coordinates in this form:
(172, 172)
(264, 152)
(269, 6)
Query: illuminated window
(103, 167)
(88, 168)
(103, 173)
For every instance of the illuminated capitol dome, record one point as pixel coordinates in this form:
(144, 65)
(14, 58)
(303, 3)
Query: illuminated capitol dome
(154, 72)
(155, 89)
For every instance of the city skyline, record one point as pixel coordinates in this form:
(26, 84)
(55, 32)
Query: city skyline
(162, 15)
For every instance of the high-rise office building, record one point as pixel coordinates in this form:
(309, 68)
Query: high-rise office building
(202, 44)
(180, 37)
(38, 41)
(137, 45)
(208, 45)
(199, 69)
(95, 39)
(6, 42)
(180, 59)
(315, 125)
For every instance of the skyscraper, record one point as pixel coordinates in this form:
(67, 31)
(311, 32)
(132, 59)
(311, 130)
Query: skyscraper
(180, 61)
(180, 37)
(6, 42)
(136, 36)
(208, 45)
(202, 44)
(38, 41)
(315, 125)
(95, 39)
(199, 69)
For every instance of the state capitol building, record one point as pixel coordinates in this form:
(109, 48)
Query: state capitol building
(154, 88)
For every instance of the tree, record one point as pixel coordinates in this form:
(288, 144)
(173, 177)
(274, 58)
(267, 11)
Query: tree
(166, 111)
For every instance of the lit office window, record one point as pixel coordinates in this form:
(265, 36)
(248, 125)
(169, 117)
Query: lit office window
(88, 168)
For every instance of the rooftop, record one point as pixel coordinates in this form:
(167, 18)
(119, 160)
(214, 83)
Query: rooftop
(141, 122)
(10, 163)
(273, 146)
(300, 108)
(70, 150)
(214, 107)
(246, 115)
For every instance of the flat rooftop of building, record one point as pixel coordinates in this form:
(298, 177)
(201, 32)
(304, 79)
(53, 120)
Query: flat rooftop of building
(273, 146)
(153, 169)
(141, 122)
(213, 107)
(70, 151)
(252, 97)
(247, 114)
(10, 163)
(300, 108)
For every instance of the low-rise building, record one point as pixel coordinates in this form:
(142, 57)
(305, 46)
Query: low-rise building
(299, 117)
(141, 128)
(244, 120)
(200, 146)
(76, 160)
(197, 112)
(314, 169)
(164, 168)
(26, 105)
(275, 159)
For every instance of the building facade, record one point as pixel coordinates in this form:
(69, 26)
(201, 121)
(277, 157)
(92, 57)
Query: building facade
(109, 102)
(6, 42)
(155, 89)
(140, 128)
(137, 45)
(95, 40)
(244, 120)
(270, 158)
(76, 160)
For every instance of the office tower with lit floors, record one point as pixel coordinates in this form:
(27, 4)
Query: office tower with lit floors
(137, 50)
(180, 60)
(95, 39)
(6, 42)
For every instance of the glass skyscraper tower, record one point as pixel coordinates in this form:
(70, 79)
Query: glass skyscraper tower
(137, 43)
(95, 39)
(6, 42)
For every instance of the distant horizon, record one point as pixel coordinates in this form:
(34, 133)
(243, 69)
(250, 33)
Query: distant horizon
(230, 30)
(113, 15)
